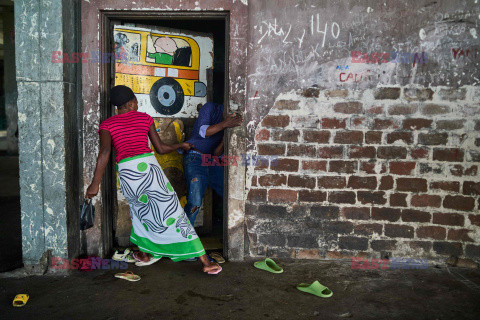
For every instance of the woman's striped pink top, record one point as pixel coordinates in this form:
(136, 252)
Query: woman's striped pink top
(129, 133)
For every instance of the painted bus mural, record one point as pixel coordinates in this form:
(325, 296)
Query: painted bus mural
(166, 69)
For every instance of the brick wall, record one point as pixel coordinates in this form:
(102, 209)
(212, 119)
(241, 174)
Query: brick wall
(383, 172)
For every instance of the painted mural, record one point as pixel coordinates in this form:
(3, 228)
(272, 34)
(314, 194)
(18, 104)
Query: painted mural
(165, 69)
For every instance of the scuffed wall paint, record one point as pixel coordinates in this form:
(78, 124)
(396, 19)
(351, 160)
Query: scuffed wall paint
(44, 141)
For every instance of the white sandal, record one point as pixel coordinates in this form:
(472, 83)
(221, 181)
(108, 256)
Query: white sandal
(126, 256)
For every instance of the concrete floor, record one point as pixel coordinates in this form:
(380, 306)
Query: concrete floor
(181, 291)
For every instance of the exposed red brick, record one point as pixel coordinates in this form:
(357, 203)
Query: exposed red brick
(433, 138)
(260, 164)
(391, 152)
(416, 124)
(314, 165)
(405, 136)
(328, 123)
(254, 181)
(437, 233)
(312, 196)
(401, 109)
(434, 109)
(371, 197)
(367, 229)
(448, 248)
(262, 135)
(331, 182)
(356, 213)
(474, 219)
(257, 195)
(460, 235)
(276, 121)
(410, 215)
(342, 166)
(272, 180)
(459, 203)
(453, 186)
(426, 200)
(316, 136)
(386, 183)
(357, 182)
(311, 92)
(336, 93)
(341, 197)
(271, 149)
(398, 200)
(301, 150)
(471, 188)
(281, 195)
(419, 153)
(453, 155)
(387, 93)
(349, 137)
(301, 181)
(330, 152)
(424, 245)
(285, 135)
(398, 231)
(373, 137)
(389, 214)
(358, 122)
(375, 110)
(412, 184)
(286, 105)
(286, 165)
(448, 219)
(383, 124)
(309, 254)
(450, 124)
(402, 168)
(369, 167)
(348, 107)
(362, 152)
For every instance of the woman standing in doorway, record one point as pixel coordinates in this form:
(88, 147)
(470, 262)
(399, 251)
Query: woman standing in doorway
(160, 227)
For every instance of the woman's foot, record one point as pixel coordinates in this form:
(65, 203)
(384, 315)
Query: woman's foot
(142, 256)
(208, 266)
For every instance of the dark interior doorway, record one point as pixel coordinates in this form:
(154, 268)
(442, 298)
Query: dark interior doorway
(214, 234)
(10, 228)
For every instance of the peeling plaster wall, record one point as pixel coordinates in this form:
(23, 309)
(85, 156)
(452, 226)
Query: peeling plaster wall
(47, 129)
(278, 48)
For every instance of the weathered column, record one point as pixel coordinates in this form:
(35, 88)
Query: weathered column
(48, 129)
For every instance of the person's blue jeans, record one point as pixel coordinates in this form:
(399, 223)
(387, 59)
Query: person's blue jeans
(198, 177)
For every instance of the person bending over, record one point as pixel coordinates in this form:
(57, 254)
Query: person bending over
(160, 227)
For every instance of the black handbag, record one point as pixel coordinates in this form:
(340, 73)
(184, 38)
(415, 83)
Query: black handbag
(87, 215)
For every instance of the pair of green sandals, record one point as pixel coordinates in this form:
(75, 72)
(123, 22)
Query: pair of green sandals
(316, 288)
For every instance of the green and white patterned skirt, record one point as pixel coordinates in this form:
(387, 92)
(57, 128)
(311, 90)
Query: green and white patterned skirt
(159, 224)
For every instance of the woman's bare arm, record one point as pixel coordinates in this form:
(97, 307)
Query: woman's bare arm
(102, 160)
(163, 148)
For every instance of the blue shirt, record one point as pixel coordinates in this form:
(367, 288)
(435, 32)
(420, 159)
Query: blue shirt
(210, 114)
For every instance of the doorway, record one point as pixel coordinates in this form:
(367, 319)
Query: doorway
(11, 240)
(211, 223)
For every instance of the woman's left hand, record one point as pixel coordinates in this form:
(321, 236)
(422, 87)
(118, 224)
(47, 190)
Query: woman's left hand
(92, 191)
(186, 146)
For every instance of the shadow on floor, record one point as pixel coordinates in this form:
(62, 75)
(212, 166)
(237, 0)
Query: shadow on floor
(10, 226)
(180, 290)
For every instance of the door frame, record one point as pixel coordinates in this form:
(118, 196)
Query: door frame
(108, 187)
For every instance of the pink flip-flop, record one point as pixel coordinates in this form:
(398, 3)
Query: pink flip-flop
(216, 271)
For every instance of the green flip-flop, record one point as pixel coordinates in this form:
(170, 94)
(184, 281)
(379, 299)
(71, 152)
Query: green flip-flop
(316, 288)
(268, 265)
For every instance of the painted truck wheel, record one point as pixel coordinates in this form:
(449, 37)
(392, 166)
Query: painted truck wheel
(167, 96)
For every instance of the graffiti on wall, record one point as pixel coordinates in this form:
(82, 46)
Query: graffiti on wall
(165, 70)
